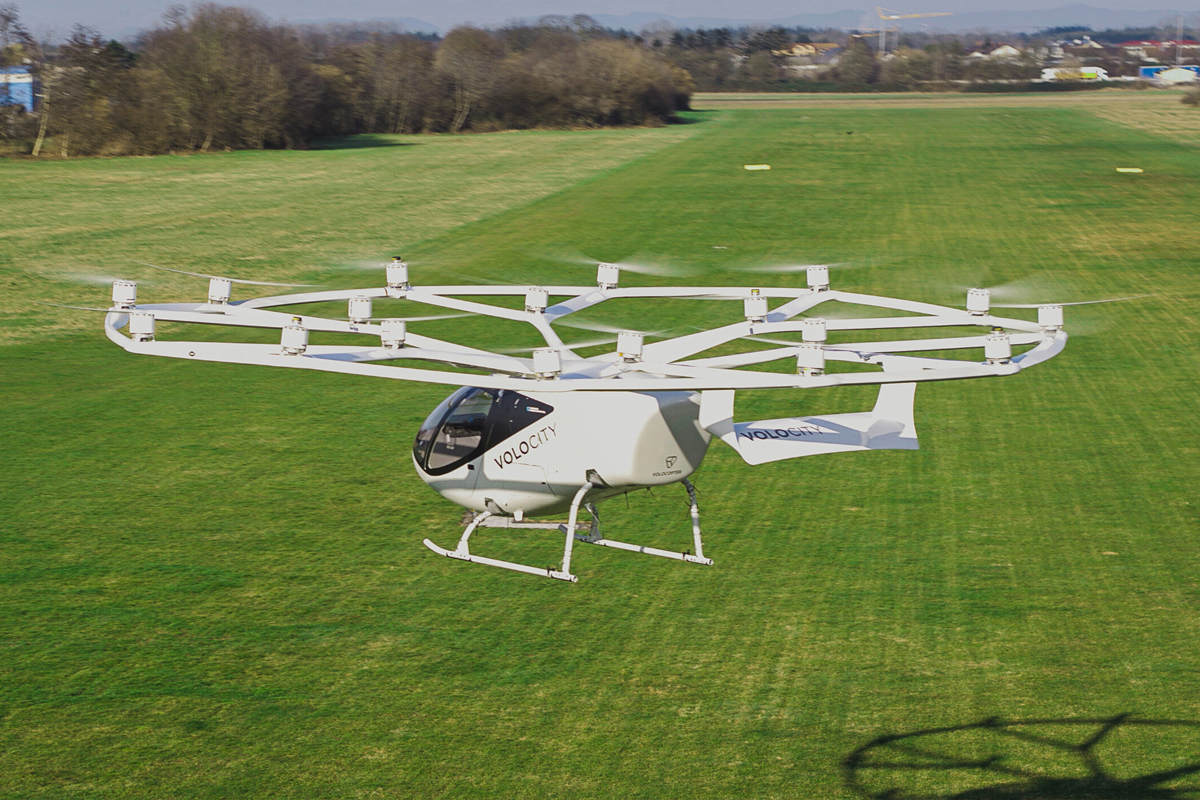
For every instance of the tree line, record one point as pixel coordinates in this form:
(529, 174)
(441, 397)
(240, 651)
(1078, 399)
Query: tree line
(216, 77)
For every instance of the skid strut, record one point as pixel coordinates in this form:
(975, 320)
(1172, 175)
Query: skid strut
(571, 534)
(463, 553)
(594, 537)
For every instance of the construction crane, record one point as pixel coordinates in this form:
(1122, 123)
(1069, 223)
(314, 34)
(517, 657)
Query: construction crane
(886, 14)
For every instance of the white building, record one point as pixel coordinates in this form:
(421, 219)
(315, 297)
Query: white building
(1005, 52)
(1176, 75)
(1075, 74)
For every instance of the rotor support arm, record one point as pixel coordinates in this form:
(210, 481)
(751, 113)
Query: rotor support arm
(668, 365)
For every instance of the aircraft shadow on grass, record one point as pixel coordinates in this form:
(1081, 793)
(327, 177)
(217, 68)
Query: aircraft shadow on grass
(1039, 759)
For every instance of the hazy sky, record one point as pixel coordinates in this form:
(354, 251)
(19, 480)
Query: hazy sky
(57, 16)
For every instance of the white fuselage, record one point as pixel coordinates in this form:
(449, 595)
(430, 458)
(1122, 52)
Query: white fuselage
(527, 454)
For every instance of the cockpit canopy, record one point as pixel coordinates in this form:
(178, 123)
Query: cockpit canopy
(469, 422)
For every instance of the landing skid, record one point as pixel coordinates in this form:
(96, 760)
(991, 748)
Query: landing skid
(571, 531)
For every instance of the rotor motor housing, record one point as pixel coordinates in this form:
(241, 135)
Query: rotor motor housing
(755, 307)
(1050, 318)
(293, 339)
(607, 276)
(359, 309)
(220, 290)
(397, 274)
(814, 329)
(392, 333)
(629, 345)
(124, 294)
(978, 302)
(818, 278)
(536, 299)
(141, 326)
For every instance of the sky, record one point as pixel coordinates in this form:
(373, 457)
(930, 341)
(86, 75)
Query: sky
(56, 17)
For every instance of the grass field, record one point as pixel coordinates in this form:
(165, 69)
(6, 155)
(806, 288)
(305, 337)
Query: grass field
(213, 585)
(1158, 111)
(272, 214)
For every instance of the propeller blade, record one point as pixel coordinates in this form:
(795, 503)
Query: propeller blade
(439, 274)
(360, 264)
(769, 340)
(435, 275)
(569, 345)
(593, 342)
(782, 268)
(662, 270)
(1075, 303)
(423, 319)
(588, 326)
(788, 267)
(371, 263)
(90, 279)
(79, 308)
(126, 311)
(1020, 290)
(233, 280)
(638, 264)
(600, 327)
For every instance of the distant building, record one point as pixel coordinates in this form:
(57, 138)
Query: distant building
(1005, 52)
(1001, 52)
(1169, 76)
(1075, 74)
(1142, 48)
(16, 87)
(808, 50)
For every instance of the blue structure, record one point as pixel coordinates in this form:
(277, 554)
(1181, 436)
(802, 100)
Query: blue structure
(16, 87)
(1150, 73)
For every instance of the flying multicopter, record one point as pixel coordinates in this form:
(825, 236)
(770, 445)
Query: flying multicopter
(557, 432)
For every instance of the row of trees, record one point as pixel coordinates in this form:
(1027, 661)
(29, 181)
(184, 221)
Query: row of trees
(222, 77)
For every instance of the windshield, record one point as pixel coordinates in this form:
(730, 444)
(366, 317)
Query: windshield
(429, 428)
(470, 421)
(462, 432)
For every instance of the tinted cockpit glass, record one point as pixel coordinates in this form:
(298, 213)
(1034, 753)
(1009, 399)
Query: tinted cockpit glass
(469, 422)
(511, 413)
(429, 428)
(461, 434)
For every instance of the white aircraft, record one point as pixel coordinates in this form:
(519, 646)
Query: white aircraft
(556, 432)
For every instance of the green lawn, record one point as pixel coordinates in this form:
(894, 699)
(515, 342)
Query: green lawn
(271, 215)
(213, 585)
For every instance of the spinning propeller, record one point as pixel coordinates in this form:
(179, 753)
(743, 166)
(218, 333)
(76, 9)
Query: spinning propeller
(1024, 293)
(791, 268)
(222, 278)
(638, 265)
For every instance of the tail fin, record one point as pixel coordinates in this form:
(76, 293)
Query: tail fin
(888, 426)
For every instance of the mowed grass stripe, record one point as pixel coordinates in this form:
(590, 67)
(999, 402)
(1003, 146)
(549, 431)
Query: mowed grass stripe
(270, 215)
(259, 618)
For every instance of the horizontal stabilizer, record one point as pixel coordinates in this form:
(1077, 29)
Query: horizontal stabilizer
(888, 426)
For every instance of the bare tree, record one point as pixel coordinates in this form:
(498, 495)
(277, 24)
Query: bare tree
(226, 79)
(89, 77)
(469, 57)
(396, 73)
